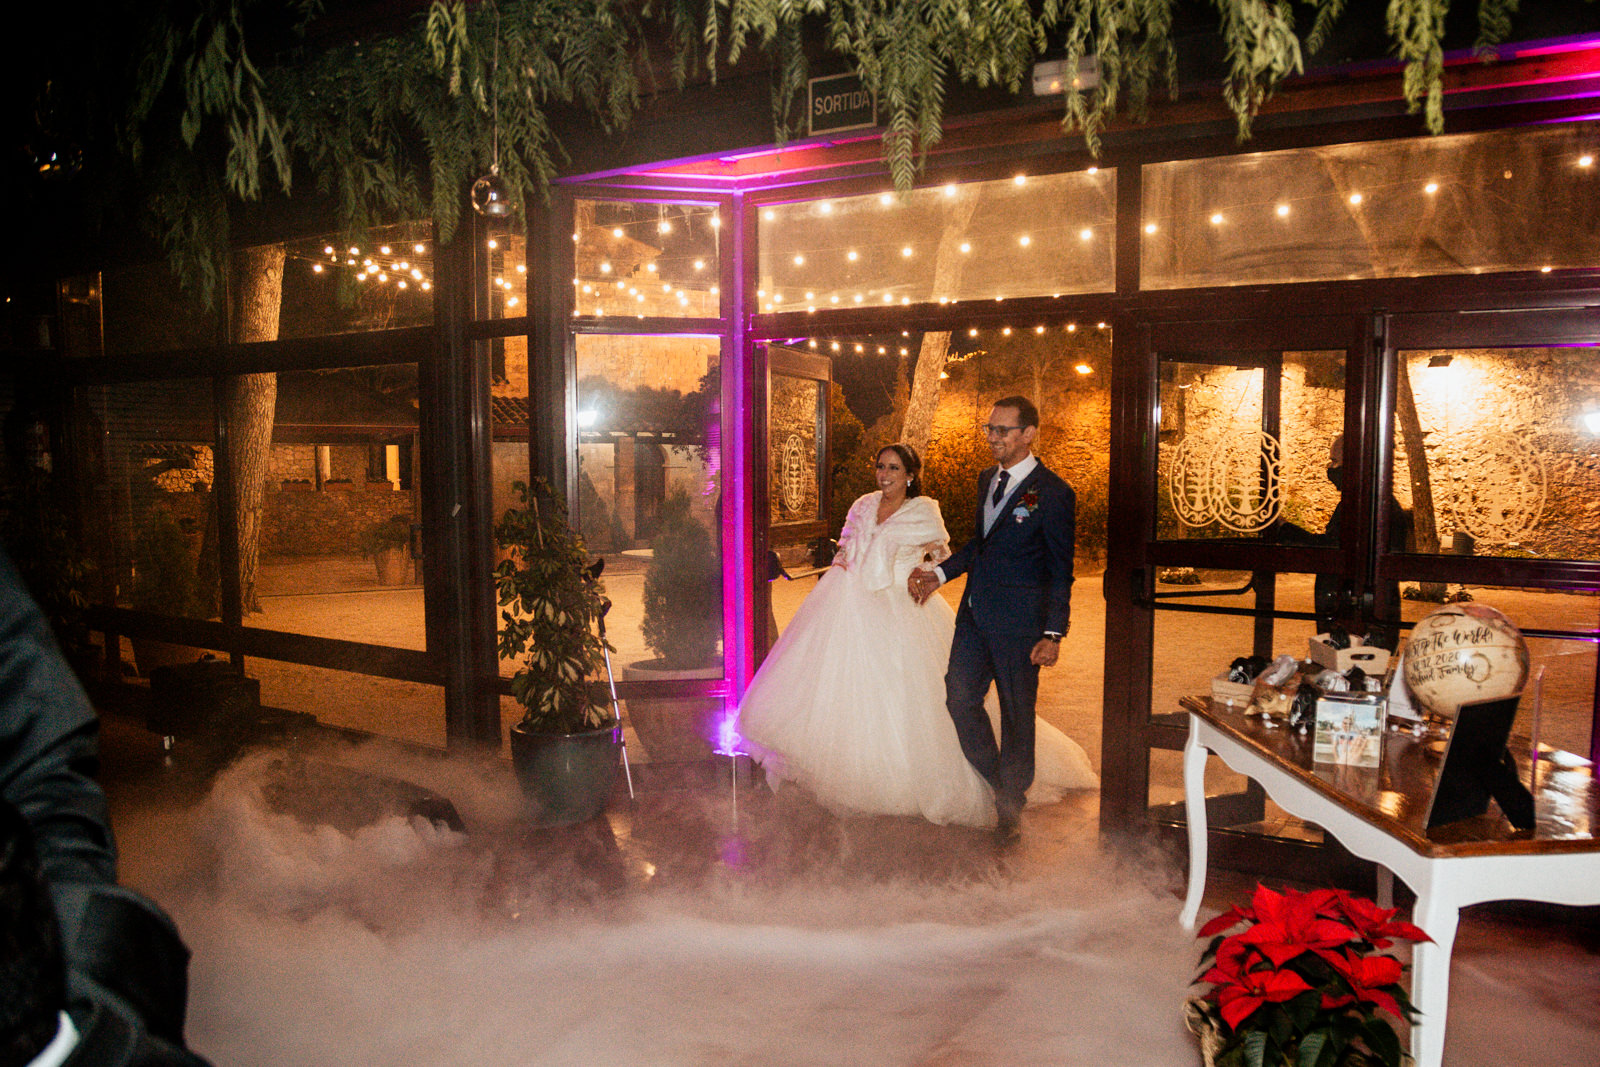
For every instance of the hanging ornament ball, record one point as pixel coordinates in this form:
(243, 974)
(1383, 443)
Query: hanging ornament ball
(1462, 653)
(55, 160)
(490, 196)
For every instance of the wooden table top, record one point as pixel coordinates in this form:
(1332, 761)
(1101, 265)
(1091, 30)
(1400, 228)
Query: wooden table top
(1394, 795)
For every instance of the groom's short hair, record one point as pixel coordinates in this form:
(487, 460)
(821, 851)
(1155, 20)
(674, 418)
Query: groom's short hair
(1027, 414)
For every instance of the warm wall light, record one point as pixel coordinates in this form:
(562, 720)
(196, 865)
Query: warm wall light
(1084, 368)
(1442, 359)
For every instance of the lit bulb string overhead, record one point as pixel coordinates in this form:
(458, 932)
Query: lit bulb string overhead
(837, 345)
(378, 267)
(387, 266)
(1368, 197)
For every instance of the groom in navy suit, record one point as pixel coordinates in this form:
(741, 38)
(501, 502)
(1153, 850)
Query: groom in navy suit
(1015, 609)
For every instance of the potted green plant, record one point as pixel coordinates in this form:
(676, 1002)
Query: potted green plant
(166, 582)
(387, 543)
(565, 750)
(682, 625)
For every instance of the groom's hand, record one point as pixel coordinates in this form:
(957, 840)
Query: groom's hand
(1045, 652)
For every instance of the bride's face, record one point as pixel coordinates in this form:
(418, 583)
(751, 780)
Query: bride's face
(891, 473)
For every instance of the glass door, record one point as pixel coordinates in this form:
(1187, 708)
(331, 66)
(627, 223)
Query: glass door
(1258, 527)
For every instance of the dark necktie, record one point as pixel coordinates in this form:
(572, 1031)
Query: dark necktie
(1000, 488)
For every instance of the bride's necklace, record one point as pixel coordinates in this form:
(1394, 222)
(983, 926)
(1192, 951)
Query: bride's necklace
(886, 510)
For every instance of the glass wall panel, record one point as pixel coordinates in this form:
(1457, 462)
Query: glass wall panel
(340, 532)
(382, 281)
(1245, 450)
(1469, 203)
(650, 492)
(1064, 367)
(1034, 236)
(1497, 451)
(148, 500)
(640, 259)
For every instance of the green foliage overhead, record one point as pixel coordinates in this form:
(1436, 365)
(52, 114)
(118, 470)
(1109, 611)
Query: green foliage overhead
(399, 125)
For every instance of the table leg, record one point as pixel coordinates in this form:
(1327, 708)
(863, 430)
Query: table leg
(1437, 914)
(1194, 800)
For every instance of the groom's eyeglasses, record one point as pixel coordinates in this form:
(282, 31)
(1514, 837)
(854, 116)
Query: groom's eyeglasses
(997, 431)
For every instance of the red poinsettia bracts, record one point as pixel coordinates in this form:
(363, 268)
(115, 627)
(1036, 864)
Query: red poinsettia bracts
(1367, 976)
(1304, 964)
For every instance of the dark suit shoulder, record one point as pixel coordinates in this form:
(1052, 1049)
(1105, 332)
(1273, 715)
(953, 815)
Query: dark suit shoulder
(1044, 477)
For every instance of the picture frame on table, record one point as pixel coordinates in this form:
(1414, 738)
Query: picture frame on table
(1349, 729)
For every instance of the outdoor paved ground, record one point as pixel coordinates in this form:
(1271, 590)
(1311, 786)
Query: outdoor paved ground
(337, 598)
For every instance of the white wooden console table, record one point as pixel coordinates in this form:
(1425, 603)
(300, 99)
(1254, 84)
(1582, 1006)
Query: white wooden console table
(1379, 814)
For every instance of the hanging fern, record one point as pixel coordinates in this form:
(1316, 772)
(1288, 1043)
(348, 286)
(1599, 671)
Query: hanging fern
(397, 126)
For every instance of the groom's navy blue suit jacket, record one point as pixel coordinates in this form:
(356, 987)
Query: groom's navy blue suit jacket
(1019, 576)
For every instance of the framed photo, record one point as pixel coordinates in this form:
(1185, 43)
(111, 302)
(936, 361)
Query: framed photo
(1349, 729)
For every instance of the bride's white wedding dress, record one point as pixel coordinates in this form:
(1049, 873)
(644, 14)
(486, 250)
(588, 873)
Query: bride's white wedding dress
(850, 701)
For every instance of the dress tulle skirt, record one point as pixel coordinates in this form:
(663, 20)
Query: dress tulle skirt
(850, 704)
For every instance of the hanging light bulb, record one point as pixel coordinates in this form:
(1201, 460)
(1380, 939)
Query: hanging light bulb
(491, 197)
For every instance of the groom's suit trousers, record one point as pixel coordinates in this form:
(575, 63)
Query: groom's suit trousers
(1019, 587)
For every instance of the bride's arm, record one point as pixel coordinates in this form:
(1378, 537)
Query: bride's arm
(852, 519)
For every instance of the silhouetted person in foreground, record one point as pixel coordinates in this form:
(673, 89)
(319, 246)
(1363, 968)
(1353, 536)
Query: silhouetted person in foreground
(110, 987)
(1331, 613)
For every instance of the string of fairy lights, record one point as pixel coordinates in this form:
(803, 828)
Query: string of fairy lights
(661, 282)
(837, 346)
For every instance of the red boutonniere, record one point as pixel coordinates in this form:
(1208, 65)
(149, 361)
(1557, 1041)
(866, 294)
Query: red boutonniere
(1027, 505)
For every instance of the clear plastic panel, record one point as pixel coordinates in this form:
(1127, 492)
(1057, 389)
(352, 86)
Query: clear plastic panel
(1021, 237)
(1521, 199)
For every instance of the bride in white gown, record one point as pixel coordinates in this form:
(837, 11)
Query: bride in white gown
(850, 702)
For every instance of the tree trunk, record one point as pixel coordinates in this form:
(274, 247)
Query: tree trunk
(948, 262)
(1423, 522)
(252, 405)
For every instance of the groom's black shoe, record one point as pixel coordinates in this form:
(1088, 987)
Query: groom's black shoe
(1008, 826)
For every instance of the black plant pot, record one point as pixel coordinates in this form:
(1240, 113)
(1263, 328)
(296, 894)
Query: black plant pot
(567, 778)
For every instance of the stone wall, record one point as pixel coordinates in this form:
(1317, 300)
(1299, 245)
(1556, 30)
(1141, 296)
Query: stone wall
(302, 521)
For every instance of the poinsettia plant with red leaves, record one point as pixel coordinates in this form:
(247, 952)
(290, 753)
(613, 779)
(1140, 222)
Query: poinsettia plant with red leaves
(1304, 983)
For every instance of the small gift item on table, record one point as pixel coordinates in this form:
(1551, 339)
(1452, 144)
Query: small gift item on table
(1274, 689)
(1339, 651)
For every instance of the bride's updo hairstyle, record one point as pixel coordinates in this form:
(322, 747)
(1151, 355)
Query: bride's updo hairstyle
(910, 461)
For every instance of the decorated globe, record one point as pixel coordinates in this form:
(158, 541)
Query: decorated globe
(1462, 653)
